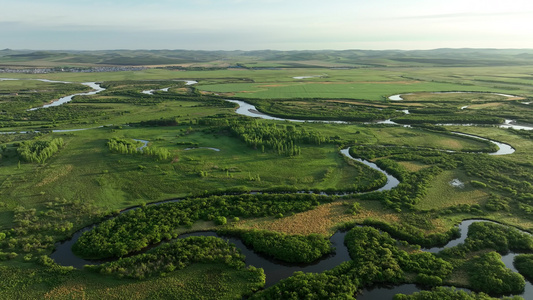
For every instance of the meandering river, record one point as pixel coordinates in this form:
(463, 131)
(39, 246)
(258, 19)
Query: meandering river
(277, 270)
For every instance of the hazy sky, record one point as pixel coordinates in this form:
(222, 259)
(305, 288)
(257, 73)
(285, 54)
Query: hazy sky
(265, 24)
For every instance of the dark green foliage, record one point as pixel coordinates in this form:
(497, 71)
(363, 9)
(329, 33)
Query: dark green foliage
(443, 293)
(7, 256)
(15, 106)
(39, 151)
(174, 256)
(487, 235)
(497, 203)
(478, 184)
(488, 273)
(375, 259)
(354, 209)
(289, 248)
(310, 286)
(283, 139)
(427, 264)
(123, 146)
(375, 256)
(221, 220)
(498, 237)
(148, 225)
(511, 180)
(413, 234)
(37, 232)
(128, 146)
(474, 209)
(506, 176)
(428, 280)
(68, 113)
(369, 152)
(378, 259)
(413, 185)
(524, 265)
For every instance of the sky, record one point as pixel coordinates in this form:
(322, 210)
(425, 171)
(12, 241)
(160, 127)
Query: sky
(265, 24)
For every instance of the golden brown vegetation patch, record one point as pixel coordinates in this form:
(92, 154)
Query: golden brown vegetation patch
(67, 291)
(450, 144)
(321, 220)
(412, 166)
(315, 221)
(492, 104)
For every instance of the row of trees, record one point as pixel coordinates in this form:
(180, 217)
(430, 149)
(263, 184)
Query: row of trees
(283, 139)
(39, 151)
(127, 146)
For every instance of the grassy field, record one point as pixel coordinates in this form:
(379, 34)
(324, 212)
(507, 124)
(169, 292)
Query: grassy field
(349, 90)
(21, 281)
(443, 193)
(106, 178)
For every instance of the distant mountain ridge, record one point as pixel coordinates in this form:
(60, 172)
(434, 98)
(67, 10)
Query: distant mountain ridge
(296, 58)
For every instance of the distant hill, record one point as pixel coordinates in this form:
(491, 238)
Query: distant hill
(268, 58)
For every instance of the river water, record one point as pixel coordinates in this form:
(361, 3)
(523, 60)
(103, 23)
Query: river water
(96, 89)
(392, 181)
(151, 92)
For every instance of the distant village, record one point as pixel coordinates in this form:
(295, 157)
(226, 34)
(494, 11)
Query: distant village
(72, 70)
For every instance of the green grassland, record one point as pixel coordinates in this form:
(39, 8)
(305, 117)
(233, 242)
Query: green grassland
(362, 90)
(212, 281)
(42, 203)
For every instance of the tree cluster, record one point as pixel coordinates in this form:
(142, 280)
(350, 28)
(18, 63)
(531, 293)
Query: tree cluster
(440, 293)
(39, 151)
(127, 146)
(174, 256)
(283, 139)
(139, 228)
(488, 273)
(289, 248)
(487, 235)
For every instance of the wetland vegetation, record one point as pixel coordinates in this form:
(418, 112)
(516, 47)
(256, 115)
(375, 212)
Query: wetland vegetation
(282, 187)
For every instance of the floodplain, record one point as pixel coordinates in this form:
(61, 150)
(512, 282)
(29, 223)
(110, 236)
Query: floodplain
(281, 187)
